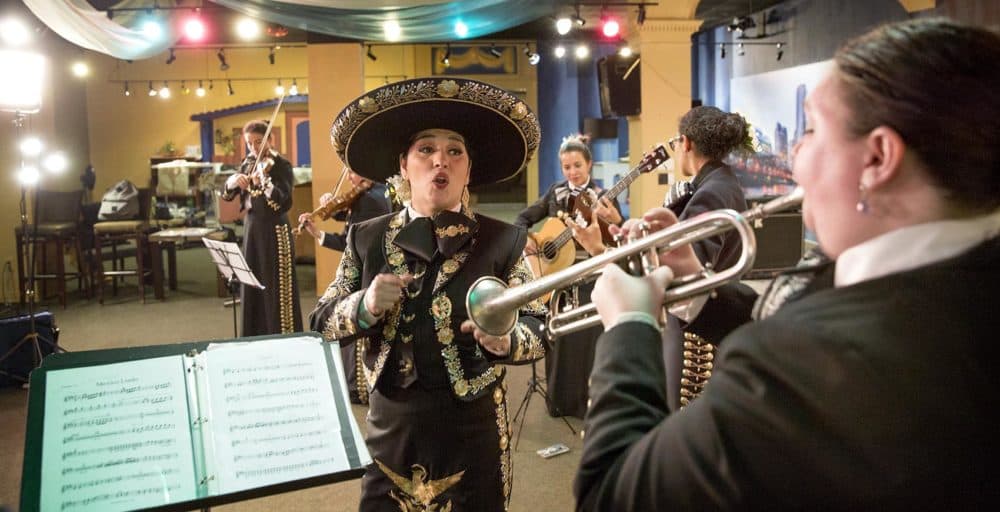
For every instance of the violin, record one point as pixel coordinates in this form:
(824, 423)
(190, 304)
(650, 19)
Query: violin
(339, 203)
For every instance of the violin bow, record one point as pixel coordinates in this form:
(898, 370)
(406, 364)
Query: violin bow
(267, 132)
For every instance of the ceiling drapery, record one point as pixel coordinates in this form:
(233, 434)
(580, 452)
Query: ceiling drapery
(420, 20)
(79, 23)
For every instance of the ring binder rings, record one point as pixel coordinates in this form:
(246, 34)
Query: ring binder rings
(177, 427)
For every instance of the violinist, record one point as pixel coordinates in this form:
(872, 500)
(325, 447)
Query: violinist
(264, 186)
(365, 200)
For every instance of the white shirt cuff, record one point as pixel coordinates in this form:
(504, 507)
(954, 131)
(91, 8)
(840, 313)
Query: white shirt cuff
(688, 310)
(636, 316)
(322, 237)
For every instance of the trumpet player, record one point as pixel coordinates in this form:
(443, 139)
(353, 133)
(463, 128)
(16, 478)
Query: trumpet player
(875, 391)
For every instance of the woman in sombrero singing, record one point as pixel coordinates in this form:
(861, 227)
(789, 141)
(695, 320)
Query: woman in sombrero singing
(438, 427)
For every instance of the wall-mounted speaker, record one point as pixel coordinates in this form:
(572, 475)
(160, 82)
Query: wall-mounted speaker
(600, 128)
(619, 93)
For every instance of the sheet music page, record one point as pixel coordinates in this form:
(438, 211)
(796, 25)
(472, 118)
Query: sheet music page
(117, 437)
(273, 416)
(228, 257)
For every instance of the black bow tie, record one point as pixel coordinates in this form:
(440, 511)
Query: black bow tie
(446, 233)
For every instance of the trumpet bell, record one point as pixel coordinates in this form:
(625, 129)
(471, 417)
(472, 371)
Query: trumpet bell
(493, 320)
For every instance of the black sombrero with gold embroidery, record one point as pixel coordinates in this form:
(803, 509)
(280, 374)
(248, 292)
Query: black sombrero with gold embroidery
(500, 131)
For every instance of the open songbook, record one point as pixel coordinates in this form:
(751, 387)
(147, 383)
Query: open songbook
(205, 422)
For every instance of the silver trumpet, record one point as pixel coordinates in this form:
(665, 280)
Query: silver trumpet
(493, 307)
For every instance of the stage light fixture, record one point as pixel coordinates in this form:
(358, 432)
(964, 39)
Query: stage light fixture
(446, 59)
(230, 84)
(461, 29)
(172, 57)
(582, 51)
(741, 50)
(165, 91)
(279, 89)
(185, 90)
(625, 51)
(31, 147)
(641, 17)
(270, 55)
(781, 52)
(722, 51)
(200, 91)
(371, 55)
(294, 89)
(194, 29)
(14, 32)
(559, 51)
(494, 51)
(577, 19)
(28, 175)
(221, 54)
(55, 163)
(533, 57)
(80, 69)
(153, 30)
(152, 92)
(563, 26)
(247, 29)
(392, 30)
(127, 92)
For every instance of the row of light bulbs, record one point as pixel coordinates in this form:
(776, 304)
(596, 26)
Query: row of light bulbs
(201, 91)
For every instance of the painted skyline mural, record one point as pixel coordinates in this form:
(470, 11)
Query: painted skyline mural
(773, 104)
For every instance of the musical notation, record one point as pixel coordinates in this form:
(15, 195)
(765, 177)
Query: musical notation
(118, 439)
(273, 419)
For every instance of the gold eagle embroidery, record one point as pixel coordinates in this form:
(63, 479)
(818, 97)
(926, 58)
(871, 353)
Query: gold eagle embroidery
(417, 492)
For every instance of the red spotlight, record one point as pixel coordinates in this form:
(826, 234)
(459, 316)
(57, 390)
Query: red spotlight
(194, 29)
(610, 27)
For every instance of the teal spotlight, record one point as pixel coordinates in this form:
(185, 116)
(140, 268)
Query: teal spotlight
(461, 29)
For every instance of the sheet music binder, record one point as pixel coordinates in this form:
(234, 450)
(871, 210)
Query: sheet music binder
(188, 425)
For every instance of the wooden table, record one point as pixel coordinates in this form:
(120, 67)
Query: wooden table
(168, 239)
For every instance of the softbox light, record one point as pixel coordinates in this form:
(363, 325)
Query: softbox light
(22, 91)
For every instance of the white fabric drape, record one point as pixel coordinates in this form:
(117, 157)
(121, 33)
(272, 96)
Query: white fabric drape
(79, 23)
(365, 4)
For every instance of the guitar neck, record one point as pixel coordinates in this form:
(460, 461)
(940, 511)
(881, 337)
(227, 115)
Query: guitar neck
(623, 183)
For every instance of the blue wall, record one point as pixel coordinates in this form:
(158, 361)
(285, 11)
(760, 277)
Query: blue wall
(568, 91)
(812, 30)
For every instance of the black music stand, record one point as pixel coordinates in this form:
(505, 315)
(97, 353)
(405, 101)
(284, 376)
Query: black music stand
(534, 386)
(234, 267)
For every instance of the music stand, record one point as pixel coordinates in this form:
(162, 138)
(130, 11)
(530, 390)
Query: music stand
(534, 386)
(234, 267)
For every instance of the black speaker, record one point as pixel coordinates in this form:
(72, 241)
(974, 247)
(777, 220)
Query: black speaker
(600, 128)
(17, 364)
(619, 94)
(779, 244)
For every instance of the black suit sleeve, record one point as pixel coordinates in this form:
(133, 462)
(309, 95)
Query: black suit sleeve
(537, 211)
(766, 432)
(335, 241)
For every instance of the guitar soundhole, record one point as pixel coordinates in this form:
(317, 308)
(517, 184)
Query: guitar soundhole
(549, 250)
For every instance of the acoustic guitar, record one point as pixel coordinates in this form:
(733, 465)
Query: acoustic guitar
(554, 251)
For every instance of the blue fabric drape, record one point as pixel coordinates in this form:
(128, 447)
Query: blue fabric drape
(419, 23)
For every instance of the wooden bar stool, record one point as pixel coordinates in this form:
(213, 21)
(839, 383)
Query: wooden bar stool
(110, 234)
(58, 223)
